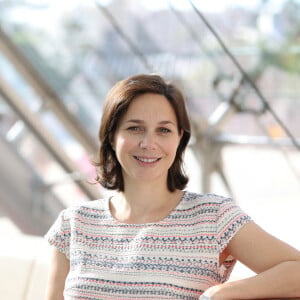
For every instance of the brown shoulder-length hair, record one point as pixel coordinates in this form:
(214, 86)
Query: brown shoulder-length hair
(115, 106)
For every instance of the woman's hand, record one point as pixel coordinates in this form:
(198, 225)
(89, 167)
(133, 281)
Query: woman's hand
(213, 293)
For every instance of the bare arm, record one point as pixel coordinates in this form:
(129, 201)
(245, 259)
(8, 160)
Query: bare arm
(58, 271)
(277, 265)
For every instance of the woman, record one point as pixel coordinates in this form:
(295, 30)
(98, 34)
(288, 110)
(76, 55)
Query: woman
(152, 240)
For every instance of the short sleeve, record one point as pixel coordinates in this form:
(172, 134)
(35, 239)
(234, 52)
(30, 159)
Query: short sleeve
(230, 219)
(59, 234)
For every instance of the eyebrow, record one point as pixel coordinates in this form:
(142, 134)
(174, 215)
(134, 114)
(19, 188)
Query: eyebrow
(138, 121)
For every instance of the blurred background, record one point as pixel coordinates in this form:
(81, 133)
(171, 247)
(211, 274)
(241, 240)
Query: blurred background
(237, 62)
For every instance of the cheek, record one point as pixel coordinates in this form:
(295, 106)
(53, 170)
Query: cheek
(123, 144)
(177, 142)
(177, 145)
(172, 146)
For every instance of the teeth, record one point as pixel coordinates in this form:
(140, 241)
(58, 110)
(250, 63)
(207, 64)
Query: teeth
(147, 160)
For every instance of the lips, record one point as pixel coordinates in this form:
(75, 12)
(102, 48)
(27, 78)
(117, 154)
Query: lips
(146, 159)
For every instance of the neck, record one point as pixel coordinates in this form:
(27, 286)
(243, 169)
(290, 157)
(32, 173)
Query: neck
(144, 203)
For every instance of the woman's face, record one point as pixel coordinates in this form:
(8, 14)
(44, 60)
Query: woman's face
(146, 139)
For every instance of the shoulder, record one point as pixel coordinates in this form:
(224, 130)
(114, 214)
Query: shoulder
(91, 209)
(206, 199)
(209, 203)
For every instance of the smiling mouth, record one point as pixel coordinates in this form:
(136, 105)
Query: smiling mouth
(146, 160)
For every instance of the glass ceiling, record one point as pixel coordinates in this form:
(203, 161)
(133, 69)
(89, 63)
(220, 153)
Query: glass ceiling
(81, 48)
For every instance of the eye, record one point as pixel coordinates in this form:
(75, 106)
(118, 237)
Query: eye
(164, 130)
(134, 128)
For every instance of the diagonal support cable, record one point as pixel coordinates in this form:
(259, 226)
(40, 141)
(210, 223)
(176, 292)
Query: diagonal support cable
(133, 47)
(193, 35)
(245, 75)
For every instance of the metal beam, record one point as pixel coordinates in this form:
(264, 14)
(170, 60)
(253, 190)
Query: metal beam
(50, 98)
(248, 140)
(44, 136)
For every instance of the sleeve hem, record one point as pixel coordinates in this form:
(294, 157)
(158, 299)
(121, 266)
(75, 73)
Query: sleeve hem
(60, 248)
(238, 225)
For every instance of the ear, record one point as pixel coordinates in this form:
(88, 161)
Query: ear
(181, 133)
(113, 146)
(112, 142)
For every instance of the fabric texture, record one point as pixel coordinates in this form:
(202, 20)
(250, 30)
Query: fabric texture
(175, 258)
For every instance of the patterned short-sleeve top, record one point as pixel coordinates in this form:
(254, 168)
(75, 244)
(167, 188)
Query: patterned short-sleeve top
(175, 258)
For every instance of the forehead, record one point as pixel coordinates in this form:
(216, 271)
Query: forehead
(150, 104)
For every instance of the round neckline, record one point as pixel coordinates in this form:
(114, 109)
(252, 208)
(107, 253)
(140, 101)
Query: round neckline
(116, 221)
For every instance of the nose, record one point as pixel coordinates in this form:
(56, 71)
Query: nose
(148, 141)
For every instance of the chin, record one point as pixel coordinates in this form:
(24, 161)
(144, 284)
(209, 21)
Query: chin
(151, 179)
